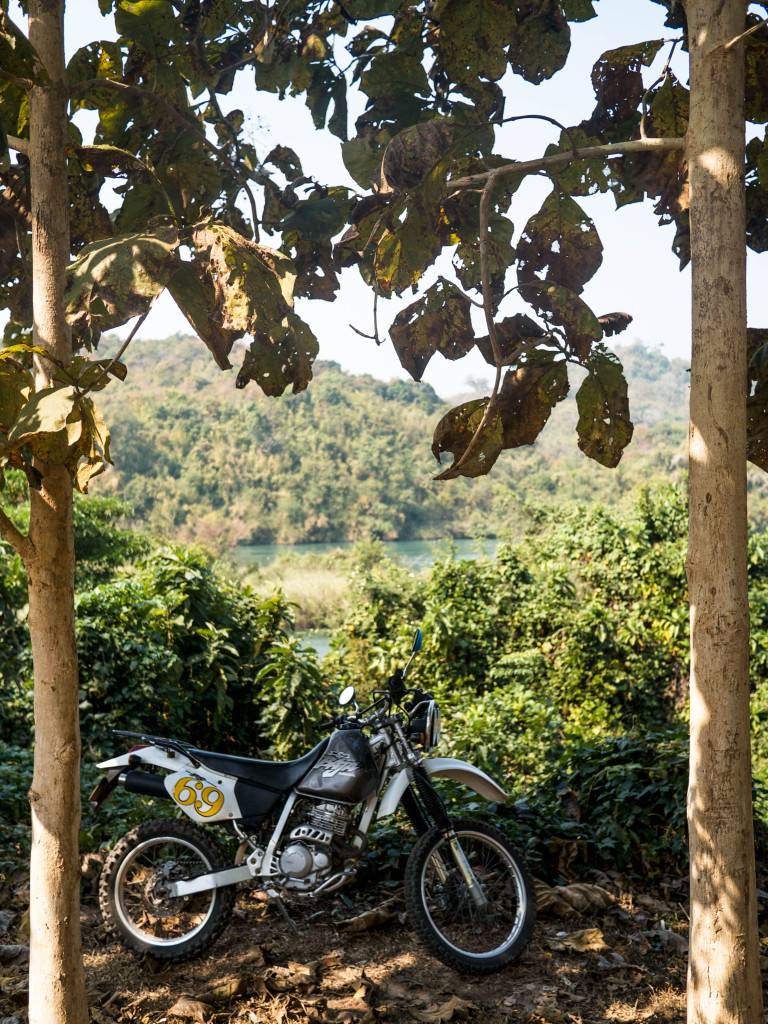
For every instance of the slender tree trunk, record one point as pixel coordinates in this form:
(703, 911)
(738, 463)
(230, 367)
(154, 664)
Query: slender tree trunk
(723, 974)
(57, 989)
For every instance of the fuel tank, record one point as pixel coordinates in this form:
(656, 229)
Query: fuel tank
(346, 773)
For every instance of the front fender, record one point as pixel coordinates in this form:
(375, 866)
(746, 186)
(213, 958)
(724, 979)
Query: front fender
(447, 768)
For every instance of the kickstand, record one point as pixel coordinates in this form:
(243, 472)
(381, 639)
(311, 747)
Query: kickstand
(275, 898)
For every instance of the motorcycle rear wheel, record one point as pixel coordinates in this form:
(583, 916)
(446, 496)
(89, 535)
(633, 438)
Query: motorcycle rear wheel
(465, 936)
(135, 906)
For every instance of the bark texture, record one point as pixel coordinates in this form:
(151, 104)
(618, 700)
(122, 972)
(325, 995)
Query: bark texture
(57, 991)
(723, 976)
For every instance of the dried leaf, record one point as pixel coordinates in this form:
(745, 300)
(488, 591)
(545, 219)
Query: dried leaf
(225, 990)
(439, 321)
(614, 323)
(454, 1009)
(559, 245)
(253, 284)
(511, 334)
(474, 37)
(412, 154)
(280, 356)
(565, 900)
(190, 1008)
(671, 941)
(457, 429)
(586, 940)
(367, 920)
(561, 306)
(617, 79)
(527, 397)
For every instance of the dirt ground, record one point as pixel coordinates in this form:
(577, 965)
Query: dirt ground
(603, 950)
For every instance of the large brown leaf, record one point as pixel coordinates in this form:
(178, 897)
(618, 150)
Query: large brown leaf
(437, 322)
(527, 397)
(511, 333)
(559, 244)
(457, 429)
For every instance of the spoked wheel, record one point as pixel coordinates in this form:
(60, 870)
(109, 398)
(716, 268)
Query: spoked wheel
(478, 928)
(134, 897)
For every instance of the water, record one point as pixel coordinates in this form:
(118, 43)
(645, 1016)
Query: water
(413, 554)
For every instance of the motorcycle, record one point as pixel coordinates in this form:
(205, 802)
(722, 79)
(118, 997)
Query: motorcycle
(167, 888)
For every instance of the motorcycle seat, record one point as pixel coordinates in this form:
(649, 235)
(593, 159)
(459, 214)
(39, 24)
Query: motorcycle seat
(278, 776)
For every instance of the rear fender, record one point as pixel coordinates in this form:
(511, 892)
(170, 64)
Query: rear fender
(447, 768)
(205, 796)
(148, 755)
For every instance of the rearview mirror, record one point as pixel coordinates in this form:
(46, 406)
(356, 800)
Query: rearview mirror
(418, 638)
(347, 696)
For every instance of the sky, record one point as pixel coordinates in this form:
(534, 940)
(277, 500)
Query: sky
(639, 274)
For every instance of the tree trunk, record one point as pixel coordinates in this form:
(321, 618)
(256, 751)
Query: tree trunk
(723, 973)
(57, 989)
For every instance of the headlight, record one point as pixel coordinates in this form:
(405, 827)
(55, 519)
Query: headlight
(432, 731)
(425, 730)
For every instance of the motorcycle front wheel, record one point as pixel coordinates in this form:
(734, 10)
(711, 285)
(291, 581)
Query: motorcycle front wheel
(477, 931)
(133, 895)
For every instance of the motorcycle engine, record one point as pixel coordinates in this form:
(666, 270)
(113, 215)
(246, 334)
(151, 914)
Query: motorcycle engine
(309, 854)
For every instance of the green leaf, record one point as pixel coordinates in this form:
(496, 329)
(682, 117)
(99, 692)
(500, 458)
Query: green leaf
(474, 36)
(117, 278)
(437, 322)
(756, 66)
(17, 55)
(150, 23)
(559, 244)
(16, 384)
(578, 10)
(395, 72)
(362, 159)
(456, 431)
(279, 356)
(604, 427)
(366, 10)
(317, 219)
(540, 41)
(45, 412)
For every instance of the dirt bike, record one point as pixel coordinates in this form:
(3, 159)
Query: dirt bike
(167, 889)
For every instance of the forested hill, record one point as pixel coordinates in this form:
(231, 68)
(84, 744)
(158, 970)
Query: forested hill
(350, 457)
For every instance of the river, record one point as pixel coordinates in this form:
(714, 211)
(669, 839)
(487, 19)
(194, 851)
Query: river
(414, 554)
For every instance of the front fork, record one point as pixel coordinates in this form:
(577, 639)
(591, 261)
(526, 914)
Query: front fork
(435, 808)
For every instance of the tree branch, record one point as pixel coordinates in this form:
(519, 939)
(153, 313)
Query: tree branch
(21, 83)
(19, 145)
(489, 181)
(568, 156)
(145, 94)
(20, 543)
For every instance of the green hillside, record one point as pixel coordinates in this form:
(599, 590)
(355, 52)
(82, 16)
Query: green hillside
(350, 457)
